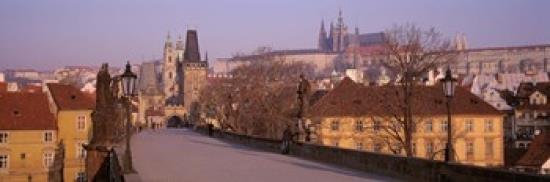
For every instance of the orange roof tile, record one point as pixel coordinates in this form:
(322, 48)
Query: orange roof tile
(25, 111)
(538, 152)
(352, 99)
(67, 97)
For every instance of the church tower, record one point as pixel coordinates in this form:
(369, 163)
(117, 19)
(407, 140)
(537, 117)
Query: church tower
(169, 68)
(322, 43)
(194, 72)
(339, 34)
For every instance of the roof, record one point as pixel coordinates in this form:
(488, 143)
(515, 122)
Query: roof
(526, 89)
(538, 152)
(280, 53)
(352, 99)
(3, 87)
(25, 111)
(369, 39)
(31, 88)
(68, 97)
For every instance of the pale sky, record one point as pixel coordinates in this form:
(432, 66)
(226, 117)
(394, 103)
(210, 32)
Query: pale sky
(46, 34)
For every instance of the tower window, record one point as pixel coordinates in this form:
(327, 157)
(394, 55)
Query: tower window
(170, 75)
(169, 59)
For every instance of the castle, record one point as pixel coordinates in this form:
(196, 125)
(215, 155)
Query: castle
(173, 97)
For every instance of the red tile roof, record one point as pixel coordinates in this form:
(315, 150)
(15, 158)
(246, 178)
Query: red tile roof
(67, 97)
(538, 152)
(3, 87)
(31, 88)
(25, 111)
(352, 99)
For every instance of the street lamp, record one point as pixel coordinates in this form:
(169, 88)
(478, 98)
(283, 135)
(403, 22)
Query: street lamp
(128, 89)
(449, 84)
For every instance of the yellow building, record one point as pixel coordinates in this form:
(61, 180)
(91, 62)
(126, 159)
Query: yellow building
(354, 116)
(73, 110)
(28, 137)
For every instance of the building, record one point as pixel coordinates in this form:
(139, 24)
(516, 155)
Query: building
(335, 50)
(72, 109)
(28, 137)
(532, 113)
(537, 157)
(173, 85)
(359, 117)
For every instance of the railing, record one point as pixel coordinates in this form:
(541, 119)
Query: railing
(413, 169)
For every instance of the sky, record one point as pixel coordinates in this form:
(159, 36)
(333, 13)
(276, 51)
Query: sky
(48, 34)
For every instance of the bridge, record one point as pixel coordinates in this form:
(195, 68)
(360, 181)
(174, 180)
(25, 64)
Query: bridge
(183, 155)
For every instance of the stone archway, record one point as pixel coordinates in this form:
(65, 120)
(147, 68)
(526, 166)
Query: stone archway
(174, 122)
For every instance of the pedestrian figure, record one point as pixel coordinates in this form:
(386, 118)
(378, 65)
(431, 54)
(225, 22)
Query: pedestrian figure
(285, 143)
(210, 126)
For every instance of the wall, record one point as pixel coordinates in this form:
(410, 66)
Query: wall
(73, 140)
(31, 144)
(411, 169)
(347, 137)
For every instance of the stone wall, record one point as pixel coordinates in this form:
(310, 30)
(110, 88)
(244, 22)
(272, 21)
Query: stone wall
(410, 169)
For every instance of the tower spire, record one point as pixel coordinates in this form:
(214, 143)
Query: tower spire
(192, 53)
(322, 41)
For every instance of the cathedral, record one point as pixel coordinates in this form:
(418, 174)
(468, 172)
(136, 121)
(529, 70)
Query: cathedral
(173, 97)
(339, 40)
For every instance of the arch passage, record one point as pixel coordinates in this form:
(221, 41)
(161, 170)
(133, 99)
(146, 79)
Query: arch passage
(174, 122)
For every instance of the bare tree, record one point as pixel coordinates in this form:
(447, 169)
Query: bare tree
(410, 53)
(259, 99)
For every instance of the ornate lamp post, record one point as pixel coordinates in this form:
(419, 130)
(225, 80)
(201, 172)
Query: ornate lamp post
(449, 84)
(128, 89)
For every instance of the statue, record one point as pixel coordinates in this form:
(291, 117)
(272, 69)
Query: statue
(105, 125)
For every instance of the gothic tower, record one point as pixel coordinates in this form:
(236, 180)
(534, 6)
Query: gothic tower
(169, 68)
(194, 72)
(322, 43)
(330, 38)
(339, 34)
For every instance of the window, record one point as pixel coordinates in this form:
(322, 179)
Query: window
(48, 136)
(376, 126)
(488, 149)
(80, 151)
(23, 156)
(4, 161)
(81, 123)
(335, 125)
(428, 128)
(81, 177)
(469, 125)
(488, 125)
(444, 125)
(469, 150)
(359, 126)
(429, 149)
(3, 137)
(47, 159)
(170, 75)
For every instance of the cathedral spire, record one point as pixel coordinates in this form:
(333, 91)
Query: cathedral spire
(322, 43)
(179, 43)
(330, 39)
(206, 56)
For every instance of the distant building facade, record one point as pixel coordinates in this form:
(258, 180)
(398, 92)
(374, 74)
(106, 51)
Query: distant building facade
(173, 85)
(351, 116)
